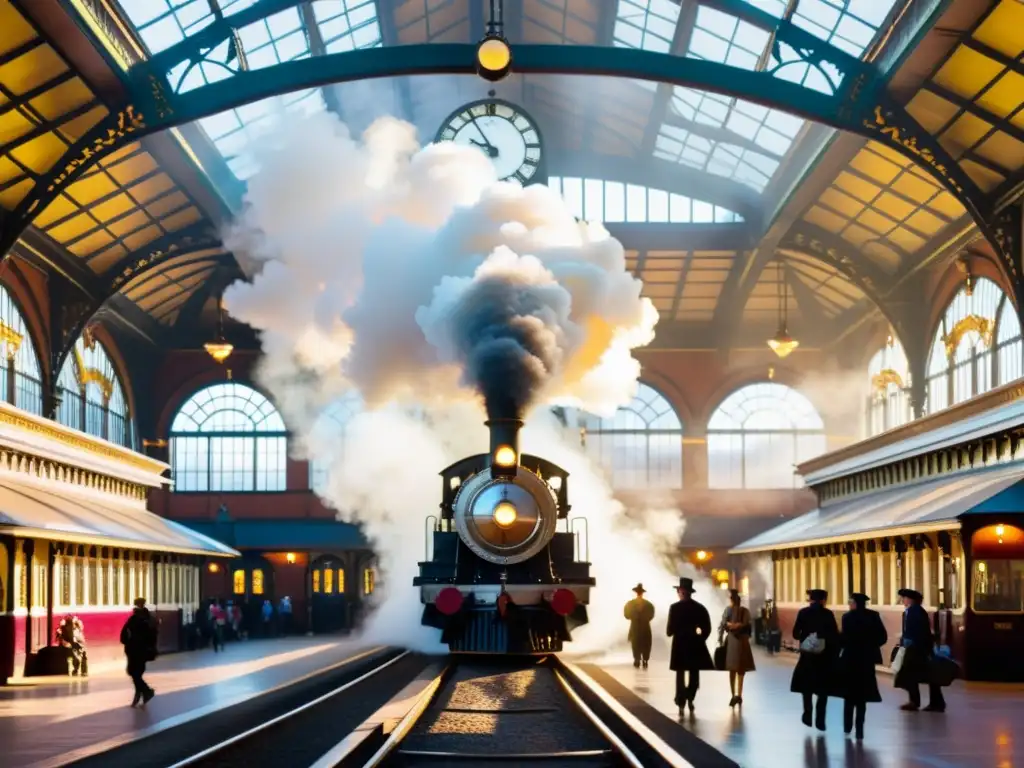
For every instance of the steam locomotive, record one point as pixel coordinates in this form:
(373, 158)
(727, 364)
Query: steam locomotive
(507, 571)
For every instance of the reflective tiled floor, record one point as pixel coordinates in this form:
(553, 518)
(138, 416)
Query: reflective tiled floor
(983, 726)
(40, 723)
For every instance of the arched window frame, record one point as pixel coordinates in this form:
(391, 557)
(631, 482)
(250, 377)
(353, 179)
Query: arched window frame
(329, 437)
(228, 437)
(888, 400)
(641, 446)
(21, 378)
(790, 431)
(91, 394)
(617, 202)
(976, 346)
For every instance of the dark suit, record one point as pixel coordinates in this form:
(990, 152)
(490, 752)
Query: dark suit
(919, 641)
(815, 672)
(860, 650)
(689, 626)
(640, 614)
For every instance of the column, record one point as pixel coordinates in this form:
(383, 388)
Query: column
(29, 548)
(926, 577)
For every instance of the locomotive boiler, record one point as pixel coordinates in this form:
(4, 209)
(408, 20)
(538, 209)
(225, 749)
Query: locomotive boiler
(506, 569)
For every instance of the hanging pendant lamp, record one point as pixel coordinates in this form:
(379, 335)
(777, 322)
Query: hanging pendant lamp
(782, 343)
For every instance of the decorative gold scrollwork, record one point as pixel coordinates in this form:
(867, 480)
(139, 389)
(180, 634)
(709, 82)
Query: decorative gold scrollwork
(11, 339)
(980, 325)
(880, 381)
(87, 376)
(902, 137)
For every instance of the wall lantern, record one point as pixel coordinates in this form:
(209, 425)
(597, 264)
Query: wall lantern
(494, 54)
(213, 568)
(290, 557)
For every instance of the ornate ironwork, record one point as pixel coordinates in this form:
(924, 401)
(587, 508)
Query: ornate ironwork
(971, 323)
(880, 381)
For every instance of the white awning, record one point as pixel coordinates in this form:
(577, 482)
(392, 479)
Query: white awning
(33, 512)
(928, 506)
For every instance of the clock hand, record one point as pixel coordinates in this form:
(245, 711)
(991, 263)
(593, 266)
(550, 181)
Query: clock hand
(492, 151)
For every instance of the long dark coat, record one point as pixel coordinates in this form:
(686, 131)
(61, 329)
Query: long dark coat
(815, 672)
(640, 614)
(860, 650)
(139, 638)
(919, 641)
(689, 626)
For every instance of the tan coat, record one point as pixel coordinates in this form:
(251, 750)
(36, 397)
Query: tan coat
(738, 656)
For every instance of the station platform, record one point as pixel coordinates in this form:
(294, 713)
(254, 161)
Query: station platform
(47, 722)
(980, 728)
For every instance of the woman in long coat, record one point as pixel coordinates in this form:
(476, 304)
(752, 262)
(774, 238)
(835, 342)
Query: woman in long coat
(861, 641)
(815, 672)
(735, 630)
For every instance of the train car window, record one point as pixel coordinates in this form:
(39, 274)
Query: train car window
(257, 581)
(368, 581)
(341, 581)
(998, 586)
(328, 581)
(238, 582)
(316, 582)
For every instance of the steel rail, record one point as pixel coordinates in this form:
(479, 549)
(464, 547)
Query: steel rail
(624, 752)
(216, 748)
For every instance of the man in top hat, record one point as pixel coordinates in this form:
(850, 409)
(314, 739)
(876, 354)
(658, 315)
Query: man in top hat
(919, 642)
(689, 626)
(861, 641)
(815, 671)
(639, 613)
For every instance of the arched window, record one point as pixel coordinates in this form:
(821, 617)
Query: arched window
(888, 403)
(962, 364)
(228, 437)
(327, 440)
(21, 382)
(91, 396)
(758, 434)
(613, 202)
(641, 446)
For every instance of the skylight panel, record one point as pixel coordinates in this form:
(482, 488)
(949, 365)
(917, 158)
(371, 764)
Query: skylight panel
(648, 25)
(849, 25)
(162, 23)
(723, 38)
(347, 25)
(615, 202)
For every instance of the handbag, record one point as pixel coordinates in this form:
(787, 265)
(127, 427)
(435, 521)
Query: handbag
(812, 644)
(897, 659)
(720, 658)
(942, 671)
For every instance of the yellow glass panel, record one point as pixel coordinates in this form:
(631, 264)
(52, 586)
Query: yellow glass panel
(257, 581)
(32, 69)
(858, 235)
(893, 206)
(1005, 96)
(876, 221)
(341, 581)
(841, 203)
(984, 177)
(166, 204)
(62, 99)
(368, 581)
(914, 187)
(75, 129)
(883, 256)
(1002, 29)
(328, 581)
(967, 131)
(875, 167)
(16, 30)
(238, 582)
(8, 170)
(653, 290)
(967, 72)
(103, 261)
(150, 188)
(143, 286)
(862, 189)
(825, 219)
(1003, 150)
(91, 187)
(112, 208)
(42, 153)
(946, 205)
(889, 154)
(138, 239)
(55, 211)
(906, 240)
(97, 241)
(151, 295)
(122, 227)
(316, 582)
(926, 223)
(10, 197)
(72, 228)
(931, 111)
(128, 171)
(181, 219)
(14, 125)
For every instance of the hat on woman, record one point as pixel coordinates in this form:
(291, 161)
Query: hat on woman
(817, 594)
(639, 589)
(686, 584)
(734, 594)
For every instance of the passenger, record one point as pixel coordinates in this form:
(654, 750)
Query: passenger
(774, 634)
(918, 644)
(284, 610)
(639, 613)
(268, 615)
(689, 626)
(818, 635)
(861, 641)
(734, 631)
(139, 636)
(219, 621)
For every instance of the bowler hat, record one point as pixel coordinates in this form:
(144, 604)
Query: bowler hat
(817, 594)
(913, 594)
(686, 584)
(639, 589)
(859, 598)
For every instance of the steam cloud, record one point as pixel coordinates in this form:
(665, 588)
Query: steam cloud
(417, 279)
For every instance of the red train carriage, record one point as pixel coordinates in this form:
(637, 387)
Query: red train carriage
(76, 539)
(937, 506)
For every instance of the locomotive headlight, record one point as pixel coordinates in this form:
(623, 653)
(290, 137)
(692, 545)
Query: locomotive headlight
(504, 514)
(505, 456)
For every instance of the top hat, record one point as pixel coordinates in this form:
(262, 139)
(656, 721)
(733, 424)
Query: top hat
(639, 589)
(859, 598)
(140, 602)
(686, 584)
(734, 594)
(913, 594)
(817, 594)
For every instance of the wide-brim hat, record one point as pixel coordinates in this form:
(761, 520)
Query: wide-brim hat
(859, 597)
(639, 589)
(913, 594)
(817, 594)
(685, 584)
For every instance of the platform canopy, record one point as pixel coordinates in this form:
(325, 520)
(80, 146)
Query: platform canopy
(30, 511)
(278, 535)
(931, 505)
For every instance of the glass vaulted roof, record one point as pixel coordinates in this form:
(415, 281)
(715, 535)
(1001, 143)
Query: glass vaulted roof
(718, 135)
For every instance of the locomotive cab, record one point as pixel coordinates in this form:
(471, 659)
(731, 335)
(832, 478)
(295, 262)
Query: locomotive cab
(506, 570)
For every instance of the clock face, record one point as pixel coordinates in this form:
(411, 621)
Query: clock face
(502, 132)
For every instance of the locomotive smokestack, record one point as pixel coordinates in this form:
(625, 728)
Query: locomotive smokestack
(504, 434)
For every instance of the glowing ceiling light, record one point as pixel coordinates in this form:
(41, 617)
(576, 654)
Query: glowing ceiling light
(782, 343)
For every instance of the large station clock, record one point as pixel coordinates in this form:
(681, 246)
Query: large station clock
(503, 132)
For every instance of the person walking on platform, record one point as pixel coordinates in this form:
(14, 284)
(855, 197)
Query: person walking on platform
(218, 622)
(917, 647)
(639, 613)
(139, 636)
(860, 646)
(734, 631)
(689, 626)
(818, 635)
